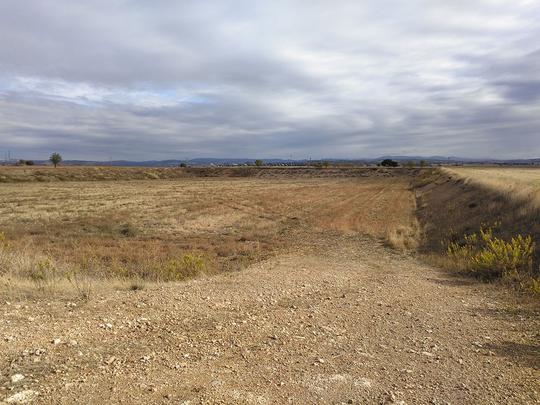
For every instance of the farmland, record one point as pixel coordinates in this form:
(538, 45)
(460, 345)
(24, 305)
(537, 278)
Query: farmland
(270, 286)
(134, 228)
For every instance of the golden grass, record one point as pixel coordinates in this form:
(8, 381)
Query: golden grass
(458, 201)
(519, 184)
(405, 237)
(167, 230)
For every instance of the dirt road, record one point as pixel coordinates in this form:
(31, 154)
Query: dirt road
(338, 319)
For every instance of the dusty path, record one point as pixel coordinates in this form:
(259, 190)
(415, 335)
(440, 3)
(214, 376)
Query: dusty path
(341, 320)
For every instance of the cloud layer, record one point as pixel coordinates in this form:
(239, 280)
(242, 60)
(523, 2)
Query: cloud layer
(134, 79)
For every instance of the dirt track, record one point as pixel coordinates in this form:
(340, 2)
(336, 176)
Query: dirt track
(340, 319)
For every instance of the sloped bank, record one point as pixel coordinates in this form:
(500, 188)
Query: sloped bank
(450, 208)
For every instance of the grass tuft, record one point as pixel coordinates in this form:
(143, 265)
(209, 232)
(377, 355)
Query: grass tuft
(404, 237)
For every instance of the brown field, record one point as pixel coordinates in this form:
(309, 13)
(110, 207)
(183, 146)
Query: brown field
(46, 174)
(144, 229)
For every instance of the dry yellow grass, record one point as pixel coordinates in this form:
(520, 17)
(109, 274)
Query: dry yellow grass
(171, 229)
(405, 237)
(521, 184)
(460, 201)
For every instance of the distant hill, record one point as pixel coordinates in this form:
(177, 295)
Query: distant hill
(289, 162)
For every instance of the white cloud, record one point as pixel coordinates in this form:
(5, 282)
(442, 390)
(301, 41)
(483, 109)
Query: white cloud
(239, 78)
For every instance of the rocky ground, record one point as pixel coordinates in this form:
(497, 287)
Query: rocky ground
(340, 319)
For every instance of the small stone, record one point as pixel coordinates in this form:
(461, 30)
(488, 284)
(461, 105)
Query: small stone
(22, 397)
(477, 344)
(319, 360)
(56, 341)
(362, 382)
(15, 378)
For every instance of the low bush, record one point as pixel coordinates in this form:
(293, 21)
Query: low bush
(187, 266)
(404, 238)
(488, 256)
(127, 230)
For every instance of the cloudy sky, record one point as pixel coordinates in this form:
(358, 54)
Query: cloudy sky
(163, 79)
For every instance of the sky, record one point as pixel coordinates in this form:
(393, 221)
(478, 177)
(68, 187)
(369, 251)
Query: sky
(164, 79)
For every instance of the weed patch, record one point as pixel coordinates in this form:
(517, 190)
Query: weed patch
(404, 238)
(187, 266)
(491, 257)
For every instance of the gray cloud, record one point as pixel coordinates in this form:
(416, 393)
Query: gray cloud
(165, 79)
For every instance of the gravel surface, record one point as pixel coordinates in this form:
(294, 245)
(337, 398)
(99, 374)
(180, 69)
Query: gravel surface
(341, 319)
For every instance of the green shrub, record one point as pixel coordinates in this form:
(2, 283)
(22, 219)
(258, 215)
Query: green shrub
(187, 266)
(389, 163)
(489, 256)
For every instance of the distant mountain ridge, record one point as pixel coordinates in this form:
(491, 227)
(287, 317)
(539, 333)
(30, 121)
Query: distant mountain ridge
(251, 161)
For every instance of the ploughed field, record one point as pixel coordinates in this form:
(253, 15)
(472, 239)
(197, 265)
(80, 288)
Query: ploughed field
(323, 311)
(148, 228)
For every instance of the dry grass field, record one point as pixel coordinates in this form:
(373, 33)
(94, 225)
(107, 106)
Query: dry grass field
(514, 182)
(125, 290)
(165, 230)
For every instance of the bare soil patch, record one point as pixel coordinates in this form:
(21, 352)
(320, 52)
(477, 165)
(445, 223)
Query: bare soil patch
(338, 319)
